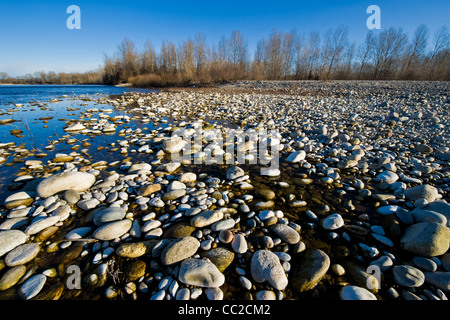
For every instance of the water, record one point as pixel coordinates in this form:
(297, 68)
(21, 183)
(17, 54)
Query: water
(44, 112)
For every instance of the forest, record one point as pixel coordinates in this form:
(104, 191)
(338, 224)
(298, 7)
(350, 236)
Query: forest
(388, 54)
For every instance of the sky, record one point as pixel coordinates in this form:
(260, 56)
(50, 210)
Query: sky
(34, 34)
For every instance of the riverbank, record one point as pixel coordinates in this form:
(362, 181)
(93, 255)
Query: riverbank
(357, 207)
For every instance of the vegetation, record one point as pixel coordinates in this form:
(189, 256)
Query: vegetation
(385, 54)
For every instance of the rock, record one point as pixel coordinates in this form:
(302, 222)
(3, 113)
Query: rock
(20, 202)
(108, 214)
(11, 277)
(173, 145)
(356, 293)
(310, 269)
(206, 218)
(88, 204)
(446, 261)
(32, 286)
(146, 190)
(424, 264)
(21, 195)
(408, 276)
(169, 167)
(78, 233)
(239, 244)
(214, 294)
(296, 156)
(14, 223)
(388, 177)
(234, 173)
(178, 230)
(75, 127)
(425, 191)
(135, 269)
(200, 273)
(265, 295)
(385, 210)
(286, 233)
(22, 254)
(423, 148)
(427, 239)
(139, 166)
(179, 249)
(332, 222)
(269, 172)
(174, 194)
(188, 177)
(420, 215)
(112, 230)
(266, 266)
(439, 279)
(267, 194)
(73, 180)
(40, 225)
(135, 249)
(10, 239)
(221, 257)
(223, 224)
(359, 275)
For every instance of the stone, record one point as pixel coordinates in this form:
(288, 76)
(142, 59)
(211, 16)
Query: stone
(408, 276)
(267, 194)
(73, 180)
(71, 196)
(388, 177)
(32, 286)
(439, 279)
(296, 156)
(312, 266)
(173, 145)
(40, 225)
(423, 148)
(385, 210)
(206, 218)
(239, 244)
(332, 222)
(424, 264)
(78, 233)
(359, 276)
(234, 173)
(88, 204)
(356, 293)
(265, 295)
(221, 257)
(200, 273)
(138, 167)
(14, 223)
(223, 224)
(22, 254)
(135, 269)
(266, 266)
(135, 249)
(421, 215)
(75, 127)
(112, 230)
(445, 260)
(286, 233)
(148, 189)
(425, 191)
(108, 214)
(270, 172)
(178, 230)
(427, 239)
(187, 177)
(11, 277)
(173, 194)
(179, 250)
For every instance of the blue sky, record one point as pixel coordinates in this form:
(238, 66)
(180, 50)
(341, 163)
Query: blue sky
(34, 36)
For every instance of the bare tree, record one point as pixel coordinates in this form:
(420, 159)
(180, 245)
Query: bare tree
(366, 51)
(335, 42)
(128, 59)
(416, 50)
(390, 45)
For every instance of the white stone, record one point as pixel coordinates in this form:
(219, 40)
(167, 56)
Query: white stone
(356, 293)
(112, 230)
(10, 239)
(78, 181)
(332, 222)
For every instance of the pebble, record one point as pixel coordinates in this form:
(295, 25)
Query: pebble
(332, 222)
(265, 266)
(78, 181)
(22, 254)
(408, 276)
(108, 214)
(200, 273)
(239, 244)
(30, 288)
(313, 265)
(356, 293)
(11, 277)
(112, 230)
(10, 239)
(425, 191)
(286, 233)
(427, 239)
(179, 250)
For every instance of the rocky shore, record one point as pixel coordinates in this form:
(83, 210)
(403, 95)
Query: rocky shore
(358, 208)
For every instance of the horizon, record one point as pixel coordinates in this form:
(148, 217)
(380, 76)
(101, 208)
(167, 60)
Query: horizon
(37, 39)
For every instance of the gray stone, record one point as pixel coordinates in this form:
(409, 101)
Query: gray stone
(200, 273)
(78, 233)
(266, 266)
(310, 269)
(286, 233)
(179, 250)
(408, 276)
(425, 191)
(296, 156)
(71, 196)
(239, 244)
(426, 239)
(234, 173)
(108, 214)
(22, 254)
(332, 222)
(445, 260)
(40, 225)
(10, 239)
(421, 215)
(73, 180)
(356, 293)
(439, 279)
(206, 218)
(425, 264)
(173, 194)
(88, 204)
(388, 177)
(112, 230)
(32, 286)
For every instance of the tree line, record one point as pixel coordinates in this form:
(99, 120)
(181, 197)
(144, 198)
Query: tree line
(388, 54)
